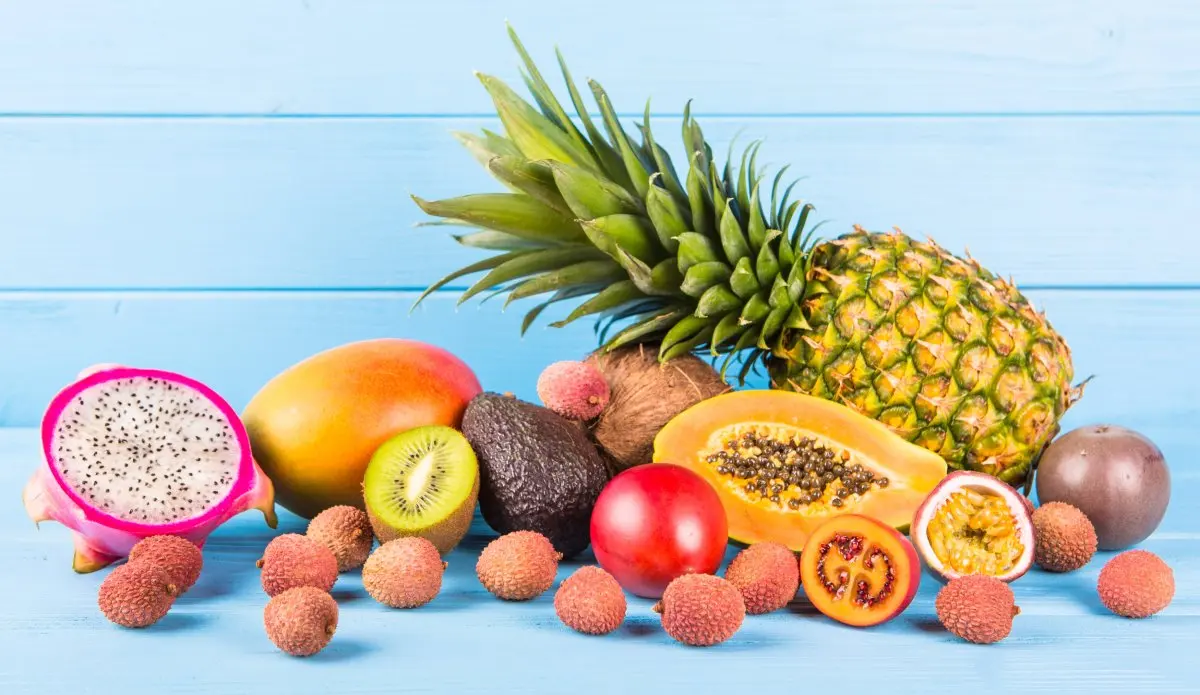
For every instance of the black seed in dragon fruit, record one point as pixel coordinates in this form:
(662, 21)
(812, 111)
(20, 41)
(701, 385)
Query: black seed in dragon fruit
(130, 453)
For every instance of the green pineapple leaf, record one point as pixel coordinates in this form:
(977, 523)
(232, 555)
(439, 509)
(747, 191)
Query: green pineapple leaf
(559, 296)
(772, 325)
(668, 219)
(484, 147)
(717, 300)
(669, 350)
(496, 241)
(695, 248)
(636, 168)
(545, 96)
(610, 159)
(485, 264)
(631, 233)
(701, 276)
(733, 241)
(766, 266)
(756, 309)
(699, 200)
(728, 328)
(530, 263)
(742, 281)
(531, 178)
(513, 213)
(756, 227)
(662, 160)
(586, 272)
(534, 134)
(654, 323)
(589, 196)
(779, 297)
(611, 297)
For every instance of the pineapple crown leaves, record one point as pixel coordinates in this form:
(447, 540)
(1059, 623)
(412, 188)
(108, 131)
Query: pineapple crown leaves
(712, 260)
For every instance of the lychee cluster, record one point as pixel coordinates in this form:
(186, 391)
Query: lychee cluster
(300, 570)
(158, 570)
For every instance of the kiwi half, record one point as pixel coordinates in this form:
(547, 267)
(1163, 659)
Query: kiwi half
(423, 482)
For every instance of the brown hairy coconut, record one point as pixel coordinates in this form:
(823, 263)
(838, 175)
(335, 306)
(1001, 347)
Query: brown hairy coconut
(644, 395)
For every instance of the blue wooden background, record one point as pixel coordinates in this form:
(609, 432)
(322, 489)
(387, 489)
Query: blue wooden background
(222, 188)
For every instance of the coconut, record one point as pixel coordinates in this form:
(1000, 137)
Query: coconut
(644, 395)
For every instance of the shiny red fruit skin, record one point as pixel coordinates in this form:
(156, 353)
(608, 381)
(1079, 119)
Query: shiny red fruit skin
(655, 522)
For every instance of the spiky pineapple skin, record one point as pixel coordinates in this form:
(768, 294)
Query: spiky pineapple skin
(944, 352)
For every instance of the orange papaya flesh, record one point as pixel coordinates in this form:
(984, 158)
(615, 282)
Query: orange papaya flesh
(784, 462)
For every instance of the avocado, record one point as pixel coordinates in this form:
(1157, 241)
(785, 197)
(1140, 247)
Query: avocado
(538, 471)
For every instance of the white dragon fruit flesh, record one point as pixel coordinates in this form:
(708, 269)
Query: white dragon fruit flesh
(130, 453)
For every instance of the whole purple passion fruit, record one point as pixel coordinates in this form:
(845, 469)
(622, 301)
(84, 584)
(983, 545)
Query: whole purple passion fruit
(1117, 477)
(974, 523)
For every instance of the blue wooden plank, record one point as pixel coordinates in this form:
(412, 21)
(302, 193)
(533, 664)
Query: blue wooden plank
(465, 641)
(750, 56)
(154, 203)
(1129, 340)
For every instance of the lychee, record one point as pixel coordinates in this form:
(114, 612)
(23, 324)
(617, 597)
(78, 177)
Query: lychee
(404, 573)
(291, 560)
(180, 557)
(1136, 584)
(346, 531)
(590, 601)
(701, 610)
(576, 390)
(137, 594)
(301, 621)
(518, 566)
(977, 608)
(1065, 539)
(767, 574)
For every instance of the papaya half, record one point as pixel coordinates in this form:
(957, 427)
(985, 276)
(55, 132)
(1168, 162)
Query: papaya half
(784, 462)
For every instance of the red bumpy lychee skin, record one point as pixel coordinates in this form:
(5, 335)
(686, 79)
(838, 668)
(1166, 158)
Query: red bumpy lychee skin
(576, 390)
(404, 573)
(1136, 584)
(136, 595)
(291, 560)
(301, 621)
(590, 601)
(1065, 538)
(345, 530)
(977, 608)
(701, 610)
(180, 557)
(518, 566)
(767, 574)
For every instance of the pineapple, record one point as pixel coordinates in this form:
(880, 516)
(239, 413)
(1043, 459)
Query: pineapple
(719, 260)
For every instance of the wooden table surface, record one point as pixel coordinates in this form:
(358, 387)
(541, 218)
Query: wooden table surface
(55, 640)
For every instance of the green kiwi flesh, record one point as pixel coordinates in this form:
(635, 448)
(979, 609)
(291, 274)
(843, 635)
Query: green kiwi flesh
(423, 482)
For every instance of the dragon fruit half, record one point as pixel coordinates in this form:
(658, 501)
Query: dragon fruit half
(131, 453)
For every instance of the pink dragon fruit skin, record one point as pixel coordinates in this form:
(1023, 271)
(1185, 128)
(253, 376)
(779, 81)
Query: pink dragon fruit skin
(100, 538)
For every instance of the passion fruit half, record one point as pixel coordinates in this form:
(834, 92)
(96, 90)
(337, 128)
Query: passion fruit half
(974, 523)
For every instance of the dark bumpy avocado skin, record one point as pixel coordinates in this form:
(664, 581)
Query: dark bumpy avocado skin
(538, 471)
